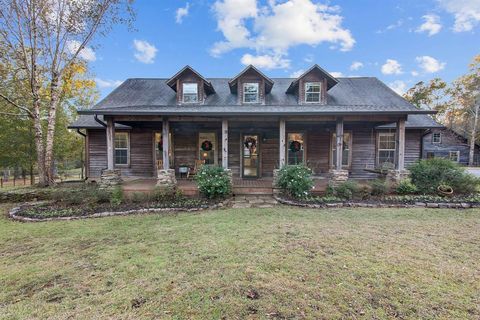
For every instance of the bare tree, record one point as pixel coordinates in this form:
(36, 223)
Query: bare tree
(40, 39)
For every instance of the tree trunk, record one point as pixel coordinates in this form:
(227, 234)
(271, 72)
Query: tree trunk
(52, 116)
(473, 136)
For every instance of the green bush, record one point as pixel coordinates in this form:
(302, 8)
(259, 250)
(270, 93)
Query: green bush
(116, 198)
(295, 180)
(378, 187)
(346, 190)
(213, 182)
(406, 187)
(428, 174)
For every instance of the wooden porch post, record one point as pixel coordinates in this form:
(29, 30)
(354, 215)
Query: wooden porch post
(339, 143)
(282, 143)
(225, 143)
(400, 145)
(110, 143)
(166, 143)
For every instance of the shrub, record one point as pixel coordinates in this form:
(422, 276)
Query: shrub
(428, 174)
(116, 197)
(213, 182)
(161, 194)
(406, 187)
(345, 190)
(295, 180)
(378, 187)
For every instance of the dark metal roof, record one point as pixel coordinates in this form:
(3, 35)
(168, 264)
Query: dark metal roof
(88, 122)
(416, 121)
(350, 96)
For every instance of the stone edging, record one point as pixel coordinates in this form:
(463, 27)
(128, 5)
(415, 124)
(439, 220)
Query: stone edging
(347, 204)
(13, 213)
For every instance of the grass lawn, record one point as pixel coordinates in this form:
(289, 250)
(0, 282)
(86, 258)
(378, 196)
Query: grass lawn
(245, 263)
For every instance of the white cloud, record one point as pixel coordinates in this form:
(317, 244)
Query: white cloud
(392, 26)
(415, 73)
(356, 65)
(275, 28)
(429, 64)
(431, 25)
(266, 61)
(101, 83)
(398, 86)
(144, 51)
(86, 53)
(466, 13)
(297, 73)
(182, 13)
(392, 67)
(336, 74)
(309, 58)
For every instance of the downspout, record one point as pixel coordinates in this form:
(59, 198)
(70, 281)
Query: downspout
(427, 131)
(85, 143)
(103, 124)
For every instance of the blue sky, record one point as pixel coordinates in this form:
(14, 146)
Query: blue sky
(400, 42)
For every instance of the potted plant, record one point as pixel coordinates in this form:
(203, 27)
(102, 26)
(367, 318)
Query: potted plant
(445, 190)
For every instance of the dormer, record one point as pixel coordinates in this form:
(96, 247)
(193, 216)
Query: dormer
(190, 86)
(251, 86)
(312, 86)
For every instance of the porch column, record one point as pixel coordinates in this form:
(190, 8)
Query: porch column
(339, 143)
(282, 143)
(166, 143)
(225, 143)
(110, 143)
(400, 145)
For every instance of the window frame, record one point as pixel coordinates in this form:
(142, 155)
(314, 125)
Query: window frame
(394, 147)
(333, 147)
(183, 93)
(244, 92)
(439, 138)
(457, 152)
(304, 137)
(127, 148)
(311, 83)
(215, 145)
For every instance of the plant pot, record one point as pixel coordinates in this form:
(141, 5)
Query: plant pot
(445, 190)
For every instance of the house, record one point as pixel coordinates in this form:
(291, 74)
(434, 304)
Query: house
(252, 125)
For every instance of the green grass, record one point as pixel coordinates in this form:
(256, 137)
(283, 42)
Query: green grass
(343, 263)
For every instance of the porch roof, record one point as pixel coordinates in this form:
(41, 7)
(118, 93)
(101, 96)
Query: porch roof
(416, 121)
(362, 95)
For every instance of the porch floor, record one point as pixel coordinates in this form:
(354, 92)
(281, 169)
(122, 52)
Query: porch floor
(262, 186)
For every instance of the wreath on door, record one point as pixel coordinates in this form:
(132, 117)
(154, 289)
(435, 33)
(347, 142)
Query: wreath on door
(250, 143)
(206, 145)
(295, 146)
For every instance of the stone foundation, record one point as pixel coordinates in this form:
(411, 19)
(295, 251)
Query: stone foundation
(395, 176)
(166, 179)
(337, 177)
(110, 178)
(276, 190)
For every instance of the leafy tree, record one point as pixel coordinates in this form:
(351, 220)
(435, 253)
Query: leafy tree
(40, 40)
(432, 95)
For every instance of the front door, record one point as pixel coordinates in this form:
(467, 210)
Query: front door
(250, 156)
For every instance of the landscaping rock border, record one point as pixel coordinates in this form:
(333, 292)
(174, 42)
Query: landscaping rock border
(13, 213)
(353, 204)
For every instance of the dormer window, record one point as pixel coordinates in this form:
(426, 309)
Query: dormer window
(190, 93)
(250, 93)
(313, 92)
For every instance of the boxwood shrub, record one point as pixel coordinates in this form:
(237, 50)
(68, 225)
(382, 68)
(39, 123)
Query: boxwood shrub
(295, 181)
(213, 182)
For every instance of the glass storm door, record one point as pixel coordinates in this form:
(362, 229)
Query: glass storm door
(250, 156)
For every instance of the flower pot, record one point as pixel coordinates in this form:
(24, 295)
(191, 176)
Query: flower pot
(445, 190)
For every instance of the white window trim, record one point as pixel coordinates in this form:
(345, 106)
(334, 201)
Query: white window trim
(183, 93)
(258, 92)
(334, 147)
(127, 148)
(319, 93)
(378, 146)
(433, 138)
(458, 155)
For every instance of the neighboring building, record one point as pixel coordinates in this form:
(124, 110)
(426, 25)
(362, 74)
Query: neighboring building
(252, 124)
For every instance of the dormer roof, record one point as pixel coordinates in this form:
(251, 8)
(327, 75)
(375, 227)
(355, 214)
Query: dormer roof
(172, 82)
(234, 81)
(331, 81)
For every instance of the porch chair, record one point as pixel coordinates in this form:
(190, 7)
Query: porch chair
(193, 171)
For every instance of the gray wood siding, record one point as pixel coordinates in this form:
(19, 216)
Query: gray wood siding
(97, 152)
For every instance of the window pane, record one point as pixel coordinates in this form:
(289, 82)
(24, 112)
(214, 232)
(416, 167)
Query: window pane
(296, 146)
(207, 142)
(386, 141)
(121, 156)
(121, 140)
(190, 92)
(312, 87)
(250, 92)
(386, 156)
(312, 97)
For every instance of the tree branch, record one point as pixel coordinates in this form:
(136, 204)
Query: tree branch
(7, 99)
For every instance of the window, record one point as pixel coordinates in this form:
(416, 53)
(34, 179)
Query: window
(121, 148)
(250, 93)
(312, 92)
(347, 145)
(207, 146)
(296, 148)
(190, 92)
(437, 137)
(454, 156)
(386, 148)
(430, 155)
